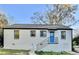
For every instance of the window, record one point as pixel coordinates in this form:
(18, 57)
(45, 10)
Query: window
(33, 33)
(63, 34)
(43, 33)
(16, 34)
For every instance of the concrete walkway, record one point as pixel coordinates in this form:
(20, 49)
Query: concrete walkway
(32, 53)
(74, 53)
(76, 48)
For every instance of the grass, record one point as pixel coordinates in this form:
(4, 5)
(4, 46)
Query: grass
(51, 53)
(13, 52)
(25, 52)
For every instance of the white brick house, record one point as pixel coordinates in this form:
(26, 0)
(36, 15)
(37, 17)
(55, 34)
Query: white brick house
(37, 37)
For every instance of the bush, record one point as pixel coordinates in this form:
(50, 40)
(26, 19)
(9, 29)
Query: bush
(39, 52)
(51, 53)
(76, 41)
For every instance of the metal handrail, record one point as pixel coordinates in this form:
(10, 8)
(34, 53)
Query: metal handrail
(42, 44)
(45, 42)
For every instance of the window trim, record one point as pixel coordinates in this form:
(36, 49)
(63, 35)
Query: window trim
(43, 35)
(64, 37)
(15, 37)
(31, 33)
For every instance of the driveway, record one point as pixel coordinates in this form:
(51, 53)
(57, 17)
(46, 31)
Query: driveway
(76, 50)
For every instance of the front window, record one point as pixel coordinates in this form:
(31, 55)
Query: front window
(33, 33)
(16, 34)
(63, 34)
(43, 33)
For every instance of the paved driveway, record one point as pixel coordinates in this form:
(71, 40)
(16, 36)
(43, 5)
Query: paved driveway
(76, 49)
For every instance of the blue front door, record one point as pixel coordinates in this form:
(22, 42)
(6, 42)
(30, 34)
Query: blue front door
(51, 37)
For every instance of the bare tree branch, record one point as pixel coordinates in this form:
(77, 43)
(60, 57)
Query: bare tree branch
(57, 14)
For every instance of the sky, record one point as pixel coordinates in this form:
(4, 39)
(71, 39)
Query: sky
(22, 13)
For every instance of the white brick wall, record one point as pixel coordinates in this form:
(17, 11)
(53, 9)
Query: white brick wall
(27, 42)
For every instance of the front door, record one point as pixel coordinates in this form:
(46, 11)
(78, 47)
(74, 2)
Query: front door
(51, 37)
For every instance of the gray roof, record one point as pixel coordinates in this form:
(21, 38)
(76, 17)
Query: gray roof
(36, 26)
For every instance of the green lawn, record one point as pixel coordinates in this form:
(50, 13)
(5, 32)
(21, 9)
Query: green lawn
(51, 53)
(25, 52)
(13, 52)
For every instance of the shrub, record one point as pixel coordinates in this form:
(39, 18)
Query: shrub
(76, 41)
(51, 53)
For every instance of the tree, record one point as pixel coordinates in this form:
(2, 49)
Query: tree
(39, 18)
(56, 14)
(3, 23)
(3, 20)
(76, 40)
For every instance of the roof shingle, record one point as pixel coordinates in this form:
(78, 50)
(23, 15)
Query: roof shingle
(37, 26)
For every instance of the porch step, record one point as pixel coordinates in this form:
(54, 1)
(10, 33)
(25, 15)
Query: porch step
(42, 44)
(45, 42)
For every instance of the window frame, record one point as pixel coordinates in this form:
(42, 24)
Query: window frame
(63, 35)
(43, 33)
(32, 34)
(16, 34)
